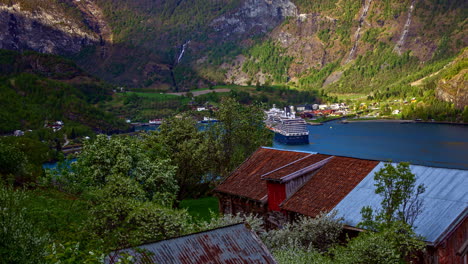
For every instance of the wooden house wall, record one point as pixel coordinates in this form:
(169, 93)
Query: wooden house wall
(446, 252)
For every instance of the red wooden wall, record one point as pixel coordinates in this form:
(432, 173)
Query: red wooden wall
(446, 251)
(276, 195)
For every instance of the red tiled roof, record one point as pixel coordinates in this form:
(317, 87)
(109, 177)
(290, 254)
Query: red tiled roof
(329, 186)
(246, 180)
(295, 166)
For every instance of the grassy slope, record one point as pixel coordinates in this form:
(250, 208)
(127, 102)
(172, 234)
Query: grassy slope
(201, 208)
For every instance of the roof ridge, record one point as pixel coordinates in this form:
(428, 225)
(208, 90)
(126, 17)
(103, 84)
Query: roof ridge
(307, 169)
(186, 235)
(284, 166)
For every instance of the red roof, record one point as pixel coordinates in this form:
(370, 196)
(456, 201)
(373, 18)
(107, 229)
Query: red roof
(329, 186)
(246, 180)
(294, 166)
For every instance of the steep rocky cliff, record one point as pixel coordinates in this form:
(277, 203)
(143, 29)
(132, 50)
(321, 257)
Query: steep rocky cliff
(340, 45)
(43, 29)
(348, 30)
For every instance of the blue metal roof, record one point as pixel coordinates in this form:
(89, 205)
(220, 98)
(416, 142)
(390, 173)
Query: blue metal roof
(230, 244)
(445, 200)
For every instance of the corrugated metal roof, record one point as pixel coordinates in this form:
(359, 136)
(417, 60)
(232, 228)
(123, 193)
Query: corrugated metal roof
(230, 245)
(246, 180)
(445, 199)
(294, 166)
(329, 186)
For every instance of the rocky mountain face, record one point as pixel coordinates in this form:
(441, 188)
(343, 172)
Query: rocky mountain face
(452, 84)
(341, 45)
(51, 27)
(353, 28)
(254, 17)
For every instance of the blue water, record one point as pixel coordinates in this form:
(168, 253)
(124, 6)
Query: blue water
(53, 165)
(438, 145)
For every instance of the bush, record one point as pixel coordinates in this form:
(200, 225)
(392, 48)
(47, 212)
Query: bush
(21, 241)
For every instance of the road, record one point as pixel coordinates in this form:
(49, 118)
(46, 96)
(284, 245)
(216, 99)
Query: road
(197, 93)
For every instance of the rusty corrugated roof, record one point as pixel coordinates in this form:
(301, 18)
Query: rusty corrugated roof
(294, 166)
(246, 180)
(329, 186)
(227, 245)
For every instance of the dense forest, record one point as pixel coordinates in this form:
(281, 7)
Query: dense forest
(36, 88)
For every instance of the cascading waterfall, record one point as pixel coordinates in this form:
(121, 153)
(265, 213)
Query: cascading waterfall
(179, 58)
(357, 34)
(404, 34)
(183, 51)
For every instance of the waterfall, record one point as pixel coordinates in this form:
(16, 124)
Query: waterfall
(183, 51)
(357, 34)
(401, 42)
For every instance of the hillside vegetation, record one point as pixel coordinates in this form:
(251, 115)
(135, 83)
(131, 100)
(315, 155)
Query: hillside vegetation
(36, 88)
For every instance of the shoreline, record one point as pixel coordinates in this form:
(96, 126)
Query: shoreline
(403, 121)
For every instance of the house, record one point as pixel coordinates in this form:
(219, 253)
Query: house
(323, 107)
(229, 244)
(305, 107)
(335, 106)
(281, 185)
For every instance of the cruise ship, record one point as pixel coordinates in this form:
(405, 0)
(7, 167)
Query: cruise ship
(288, 128)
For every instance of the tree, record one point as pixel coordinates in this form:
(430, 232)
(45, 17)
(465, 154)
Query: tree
(125, 157)
(239, 132)
(401, 204)
(122, 216)
(186, 147)
(401, 199)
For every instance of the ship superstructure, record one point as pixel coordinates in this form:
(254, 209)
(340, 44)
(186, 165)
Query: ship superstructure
(288, 128)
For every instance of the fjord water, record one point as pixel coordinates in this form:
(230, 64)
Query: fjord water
(438, 145)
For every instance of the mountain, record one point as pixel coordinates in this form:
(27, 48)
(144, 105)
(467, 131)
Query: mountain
(37, 87)
(340, 45)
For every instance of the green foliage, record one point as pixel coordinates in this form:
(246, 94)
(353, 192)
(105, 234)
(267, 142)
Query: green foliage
(29, 99)
(435, 109)
(14, 165)
(306, 233)
(324, 35)
(299, 256)
(255, 222)
(71, 252)
(315, 78)
(400, 197)
(387, 246)
(106, 158)
(378, 69)
(22, 241)
(186, 148)
(121, 217)
(21, 159)
(238, 134)
(269, 58)
(307, 6)
(201, 209)
(370, 36)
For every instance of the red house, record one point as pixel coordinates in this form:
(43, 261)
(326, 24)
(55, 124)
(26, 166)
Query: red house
(280, 185)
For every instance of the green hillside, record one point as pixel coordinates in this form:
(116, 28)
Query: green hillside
(35, 88)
